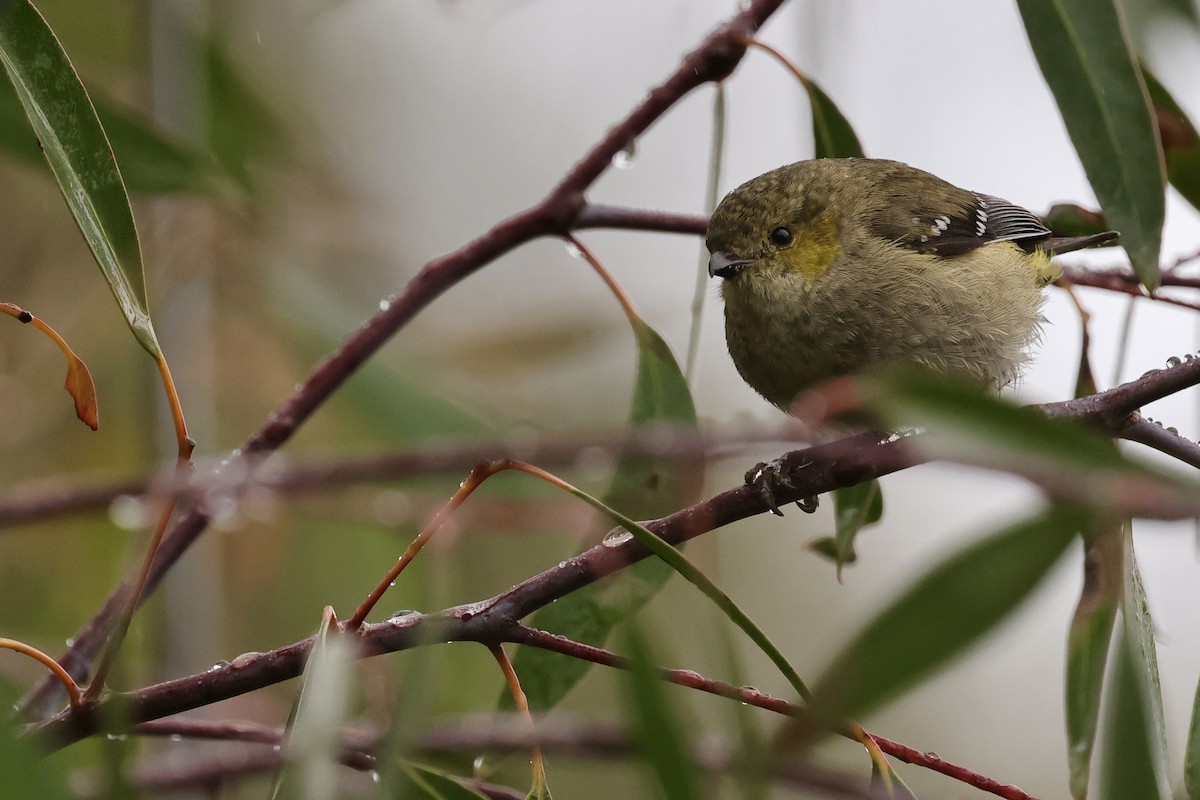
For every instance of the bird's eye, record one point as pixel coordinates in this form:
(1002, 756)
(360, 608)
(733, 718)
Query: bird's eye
(781, 237)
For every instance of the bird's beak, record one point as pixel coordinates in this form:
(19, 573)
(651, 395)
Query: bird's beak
(723, 265)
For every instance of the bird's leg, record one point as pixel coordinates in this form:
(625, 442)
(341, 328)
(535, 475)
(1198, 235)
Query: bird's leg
(770, 477)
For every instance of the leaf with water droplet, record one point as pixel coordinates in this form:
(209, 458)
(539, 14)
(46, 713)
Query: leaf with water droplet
(75, 145)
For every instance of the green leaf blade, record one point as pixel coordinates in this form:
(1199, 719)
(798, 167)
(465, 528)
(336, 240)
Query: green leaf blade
(1130, 763)
(313, 734)
(1087, 650)
(655, 725)
(74, 143)
(943, 613)
(1135, 763)
(1086, 59)
(1191, 758)
(854, 508)
(1180, 140)
(833, 135)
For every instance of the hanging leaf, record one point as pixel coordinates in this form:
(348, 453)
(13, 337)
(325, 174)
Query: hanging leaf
(1135, 758)
(833, 136)
(1180, 141)
(854, 508)
(879, 785)
(1191, 759)
(313, 734)
(74, 143)
(1086, 59)
(79, 379)
(656, 726)
(1088, 647)
(944, 612)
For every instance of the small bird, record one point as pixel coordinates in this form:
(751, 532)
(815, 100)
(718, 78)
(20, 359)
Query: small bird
(832, 266)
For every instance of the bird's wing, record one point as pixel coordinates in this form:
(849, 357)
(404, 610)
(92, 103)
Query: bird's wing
(978, 220)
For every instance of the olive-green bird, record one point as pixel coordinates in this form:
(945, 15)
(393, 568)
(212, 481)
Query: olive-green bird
(831, 266)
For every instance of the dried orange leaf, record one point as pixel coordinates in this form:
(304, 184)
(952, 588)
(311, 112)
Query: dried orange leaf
(79, 378)
(79, 384)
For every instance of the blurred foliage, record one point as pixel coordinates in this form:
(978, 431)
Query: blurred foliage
(256, 271)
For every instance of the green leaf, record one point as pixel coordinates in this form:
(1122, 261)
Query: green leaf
(943, 613)
(425, 783)
(1069, 219)
(70, 135)
(1185, 8)
(1087, 648)
(963, 424)
(152, 161)
(899, 790)
(1135, 758)
(1191, 759)
(833, 136)
(313, 735)
(854, 508)
(25, 770)
(1085, 57)
(656, 727)
(642, 488)
(1180, 141)
(243, 128)
(694, 575)
(1130, 764)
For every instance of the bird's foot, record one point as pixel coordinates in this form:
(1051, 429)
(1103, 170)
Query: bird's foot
(770, 477)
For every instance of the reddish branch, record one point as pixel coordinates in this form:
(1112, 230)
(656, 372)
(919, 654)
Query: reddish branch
(714, 60)
(816, 470)
(749, 696)
(593, 741)
(496, 620)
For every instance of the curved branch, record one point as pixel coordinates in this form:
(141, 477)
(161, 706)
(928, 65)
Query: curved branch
(1164, 440)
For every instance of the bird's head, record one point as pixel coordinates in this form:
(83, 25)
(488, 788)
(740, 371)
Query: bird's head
(785, 222)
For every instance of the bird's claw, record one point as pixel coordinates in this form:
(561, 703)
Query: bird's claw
(769, 477)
